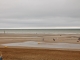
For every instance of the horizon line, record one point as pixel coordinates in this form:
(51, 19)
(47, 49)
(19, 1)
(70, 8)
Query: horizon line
(44, 28)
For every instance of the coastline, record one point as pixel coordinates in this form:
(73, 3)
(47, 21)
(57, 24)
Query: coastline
(35, 53)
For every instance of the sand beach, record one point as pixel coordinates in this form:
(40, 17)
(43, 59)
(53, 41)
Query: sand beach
(63, 38)
(34, 53)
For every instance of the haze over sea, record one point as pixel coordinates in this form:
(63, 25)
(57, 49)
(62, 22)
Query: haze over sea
(42, 31)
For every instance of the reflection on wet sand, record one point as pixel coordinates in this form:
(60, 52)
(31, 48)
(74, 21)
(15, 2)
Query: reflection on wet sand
(45, 45)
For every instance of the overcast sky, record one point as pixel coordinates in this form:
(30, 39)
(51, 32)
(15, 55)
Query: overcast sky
(39, 13)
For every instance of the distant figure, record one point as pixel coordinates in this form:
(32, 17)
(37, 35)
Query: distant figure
(77, 41)
(43, 39)
(4, 32)
(79, 38)
(53, 39)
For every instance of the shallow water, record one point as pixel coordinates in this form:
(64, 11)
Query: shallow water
(45, 45)
(52, 31)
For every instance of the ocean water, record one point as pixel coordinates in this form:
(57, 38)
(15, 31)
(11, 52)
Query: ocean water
(43, 31)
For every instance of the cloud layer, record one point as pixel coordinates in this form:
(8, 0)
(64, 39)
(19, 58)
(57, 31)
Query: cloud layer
(39, 13)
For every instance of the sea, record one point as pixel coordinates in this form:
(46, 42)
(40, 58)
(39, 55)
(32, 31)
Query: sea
(41, 31)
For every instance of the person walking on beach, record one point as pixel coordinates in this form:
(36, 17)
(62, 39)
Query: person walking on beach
(53, 39)
(79, 38)
(43, 39)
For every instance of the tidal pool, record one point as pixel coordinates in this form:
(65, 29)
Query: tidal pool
(45, 45)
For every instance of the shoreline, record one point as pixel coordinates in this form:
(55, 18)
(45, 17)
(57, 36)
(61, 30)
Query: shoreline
(36, 53)
(48, 38)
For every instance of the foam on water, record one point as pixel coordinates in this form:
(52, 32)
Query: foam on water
(45, 45)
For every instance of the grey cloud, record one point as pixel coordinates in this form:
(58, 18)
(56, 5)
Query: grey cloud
(39, 8)
(39, 13)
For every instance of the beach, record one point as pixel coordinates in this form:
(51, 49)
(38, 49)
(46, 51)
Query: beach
(36, 53)
(63, 38)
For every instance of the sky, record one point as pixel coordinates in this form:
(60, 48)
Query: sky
(39, 13)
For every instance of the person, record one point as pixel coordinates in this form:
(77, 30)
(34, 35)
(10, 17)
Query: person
(53, 39)
(43, 39)
(79, 38)
(1, 57)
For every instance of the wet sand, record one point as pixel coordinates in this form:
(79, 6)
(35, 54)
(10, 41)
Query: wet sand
(35, 44)
(47, 38)
(59, 38)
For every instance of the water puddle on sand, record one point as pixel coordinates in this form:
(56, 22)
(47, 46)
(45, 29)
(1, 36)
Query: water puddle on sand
(45, 45)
